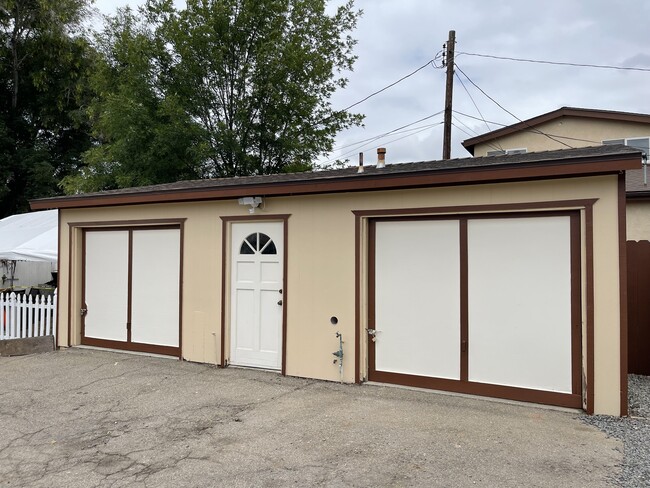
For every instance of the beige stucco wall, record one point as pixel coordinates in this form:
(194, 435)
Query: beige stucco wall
(584, 131)
(638, 220)
(321, 268)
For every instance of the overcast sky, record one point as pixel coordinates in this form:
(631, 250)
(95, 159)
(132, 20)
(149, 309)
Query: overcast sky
(397, 36)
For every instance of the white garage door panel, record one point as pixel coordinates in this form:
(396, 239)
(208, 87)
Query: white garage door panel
(520, 302)
(155, 287)
(417, 304)
(106, 287)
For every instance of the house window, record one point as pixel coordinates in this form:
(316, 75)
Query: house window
(258, 243)
(642, 143)
(507, 151)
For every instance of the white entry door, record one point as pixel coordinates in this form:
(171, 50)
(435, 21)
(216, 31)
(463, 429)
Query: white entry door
(257, 250)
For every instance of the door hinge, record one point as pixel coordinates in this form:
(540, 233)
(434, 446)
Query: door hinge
(83, 312)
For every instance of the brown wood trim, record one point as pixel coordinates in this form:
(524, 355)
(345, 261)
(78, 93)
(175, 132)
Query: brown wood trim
(285, 294)
(82, 332)
(589, 285)
(576, 304)
(357, 299)
(372, 247)
(497, 391)
(225, 261)
(58, 290)
(132, 346)
(127, 223)
(494, 208)
(464, 300)
(457, 176)
(131, 228)
(129, 286)
(180, 289)
(255, 217)
(70, 254)
(622, 263)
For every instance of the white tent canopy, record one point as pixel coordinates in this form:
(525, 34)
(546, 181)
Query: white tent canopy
(30, 237)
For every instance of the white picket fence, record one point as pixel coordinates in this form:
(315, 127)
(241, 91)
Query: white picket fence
(27, 316)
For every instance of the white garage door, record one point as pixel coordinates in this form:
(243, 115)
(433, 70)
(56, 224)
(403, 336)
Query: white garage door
(417, 301)
(483, 305)
(131, 289)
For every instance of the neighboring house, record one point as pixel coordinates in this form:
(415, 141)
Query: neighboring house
(493, 276)
(580, 127)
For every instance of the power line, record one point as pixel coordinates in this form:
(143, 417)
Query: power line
(509, 112)
(388, 86)
(413, 130)
(477, 109)
(494, 145)
(461, 129)
(393, 131)
(367, 142)
(480, 119)
(558, 63)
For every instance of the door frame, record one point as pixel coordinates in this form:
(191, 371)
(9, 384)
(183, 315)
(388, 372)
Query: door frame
(226, 261)
(582, 292)
(128, 345)
(464, 385)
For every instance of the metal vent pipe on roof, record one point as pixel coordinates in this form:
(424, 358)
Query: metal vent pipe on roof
(360, 163)
(381, 157)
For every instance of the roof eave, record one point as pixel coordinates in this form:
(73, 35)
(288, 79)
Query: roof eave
(470, 144)
(508, 172)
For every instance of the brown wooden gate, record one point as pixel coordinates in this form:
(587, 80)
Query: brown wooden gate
(638, 308)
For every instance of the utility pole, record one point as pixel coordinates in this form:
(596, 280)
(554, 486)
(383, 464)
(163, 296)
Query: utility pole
(448, 61)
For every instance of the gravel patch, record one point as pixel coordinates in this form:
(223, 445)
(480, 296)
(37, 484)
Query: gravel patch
(639, 395)
(634, 431)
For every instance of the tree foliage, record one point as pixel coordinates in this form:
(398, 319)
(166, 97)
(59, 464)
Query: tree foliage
(220, 88)
(44, 60)
(143, 135)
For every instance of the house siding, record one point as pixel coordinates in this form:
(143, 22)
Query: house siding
(584, 131)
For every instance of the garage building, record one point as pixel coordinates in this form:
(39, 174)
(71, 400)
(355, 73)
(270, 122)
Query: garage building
(500, 276)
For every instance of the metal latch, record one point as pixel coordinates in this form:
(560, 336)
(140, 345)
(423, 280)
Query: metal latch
(373, 334)
(83, 311)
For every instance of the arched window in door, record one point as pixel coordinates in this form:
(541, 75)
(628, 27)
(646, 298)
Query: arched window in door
(258, 242)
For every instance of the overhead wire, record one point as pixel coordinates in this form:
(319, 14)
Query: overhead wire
(389, 86)
(510, 113)
(399, 130)
(557, 63)
(499, 148)
(373, 138)
(413, 131)
(473, 101)
(494, 145)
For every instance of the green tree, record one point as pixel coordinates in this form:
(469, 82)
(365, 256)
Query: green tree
(44, 59)
(143, 134)
(220, 88)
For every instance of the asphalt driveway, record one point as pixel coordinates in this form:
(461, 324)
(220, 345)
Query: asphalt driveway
(88, 418)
